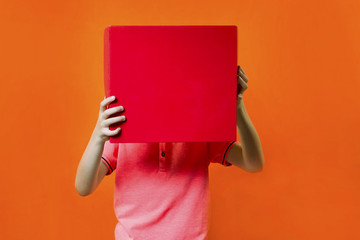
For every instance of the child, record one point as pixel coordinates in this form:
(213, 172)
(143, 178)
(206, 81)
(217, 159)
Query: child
(161, 189)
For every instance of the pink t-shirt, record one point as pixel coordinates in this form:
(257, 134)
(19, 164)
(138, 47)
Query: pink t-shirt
(161, 189)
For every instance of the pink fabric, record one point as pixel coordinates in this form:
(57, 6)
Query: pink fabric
(161, 189)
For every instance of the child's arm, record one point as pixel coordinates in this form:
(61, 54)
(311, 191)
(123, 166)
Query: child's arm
(90, 170)
(248, 155)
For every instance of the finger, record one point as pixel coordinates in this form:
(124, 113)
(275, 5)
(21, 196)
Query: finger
(113, 110)
(243, 85)
(243, 77)
(104, 103)
(109, 121)
(239, 69)
(242, 70)
(110, 133)
(241, 81)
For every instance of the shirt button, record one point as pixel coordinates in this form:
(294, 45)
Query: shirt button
(163, 154)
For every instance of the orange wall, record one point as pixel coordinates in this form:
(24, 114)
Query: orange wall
(302, 60)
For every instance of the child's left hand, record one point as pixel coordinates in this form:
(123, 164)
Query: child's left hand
(241, 82)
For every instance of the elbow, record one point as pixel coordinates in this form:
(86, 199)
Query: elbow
(254, 170)
(81, 191)
(257, 167)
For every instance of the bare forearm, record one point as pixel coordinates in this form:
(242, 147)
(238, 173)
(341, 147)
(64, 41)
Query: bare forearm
(250, 141)
(88, 168)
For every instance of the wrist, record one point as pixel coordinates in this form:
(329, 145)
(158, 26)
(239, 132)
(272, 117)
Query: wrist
(98, 137)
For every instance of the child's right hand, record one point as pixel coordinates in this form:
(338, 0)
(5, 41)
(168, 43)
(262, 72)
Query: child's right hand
(102, 126)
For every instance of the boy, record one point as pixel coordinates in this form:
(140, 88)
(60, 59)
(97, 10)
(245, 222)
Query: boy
(161, 189)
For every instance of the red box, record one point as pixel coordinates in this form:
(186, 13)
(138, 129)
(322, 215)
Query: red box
(176, 83)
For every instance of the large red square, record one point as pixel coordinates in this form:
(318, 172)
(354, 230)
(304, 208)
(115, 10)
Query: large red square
(176, 83)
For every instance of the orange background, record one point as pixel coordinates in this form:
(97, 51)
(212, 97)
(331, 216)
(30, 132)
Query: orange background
(302, 60)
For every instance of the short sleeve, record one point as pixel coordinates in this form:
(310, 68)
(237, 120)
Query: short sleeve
(218, 151)
(109, 156)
